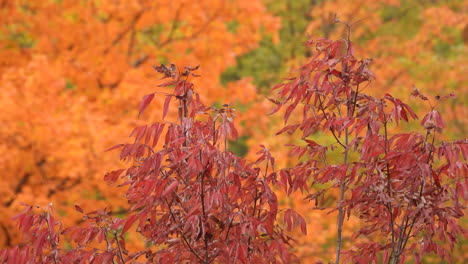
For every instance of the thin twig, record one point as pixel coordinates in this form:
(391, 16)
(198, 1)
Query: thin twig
(326, 118)
(340, 206)
(120, 249)
(181, 232)
(175, 24)
(52, 244)
(196, 33)
(124, 32)
(202, 198)
(345, 160)
(109, 247)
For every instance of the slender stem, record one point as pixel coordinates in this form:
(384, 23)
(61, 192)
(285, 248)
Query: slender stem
(120, 249)
(109, 247)
(387, 167)
(229, 229)
(355, 100)
(225, 145)
(256, 190)
(408, 235)
(389, 188)
(52, 244)
(391, 224)
(202, 198)
(339, 239)
(182, 233)
(256, 197)
(350, 113)
(405, 234)
(401, 235)
(322, 108)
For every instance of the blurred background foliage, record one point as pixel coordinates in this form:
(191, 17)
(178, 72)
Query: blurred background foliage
(72, 74)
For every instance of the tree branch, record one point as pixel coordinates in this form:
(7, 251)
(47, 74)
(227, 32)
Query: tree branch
(122, 34)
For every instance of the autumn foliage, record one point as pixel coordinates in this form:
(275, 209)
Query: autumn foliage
(353, 169)
(407, 189)
(193, 200)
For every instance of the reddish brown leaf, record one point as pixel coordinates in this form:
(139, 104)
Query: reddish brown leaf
(131, 219)
(145, 102)
(115, 147)
(166, 105)
(171, 187)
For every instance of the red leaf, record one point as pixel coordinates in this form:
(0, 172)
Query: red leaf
(159, 128)
(336, 73)
(129, 223)
(166, 105)
(138, 132)
(111, 177)
(433, 120)
(170, 188)
(145, 102)
(276, 109)
(115, 147)
(288, 112)
(290, 129)
(233, 135)
(303, 225)
(439, 121)
(277, 86)
(168, 83)
(461, 190)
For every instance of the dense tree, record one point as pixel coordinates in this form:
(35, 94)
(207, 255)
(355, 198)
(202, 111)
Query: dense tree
(409, 44)
(406, 187)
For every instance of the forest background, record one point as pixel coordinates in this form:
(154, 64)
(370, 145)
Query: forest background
(73, 72)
